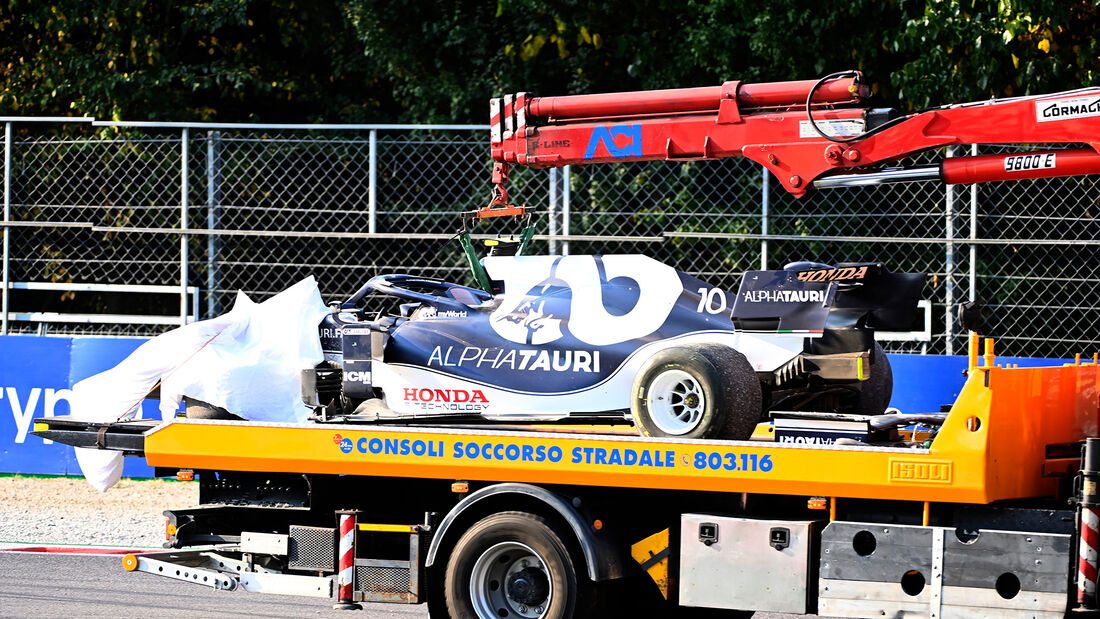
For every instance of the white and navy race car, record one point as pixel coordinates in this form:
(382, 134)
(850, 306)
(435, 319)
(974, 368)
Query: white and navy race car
(577, 338)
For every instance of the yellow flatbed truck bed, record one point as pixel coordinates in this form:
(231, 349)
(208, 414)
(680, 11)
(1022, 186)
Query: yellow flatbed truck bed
(993, 446)
(492, 522)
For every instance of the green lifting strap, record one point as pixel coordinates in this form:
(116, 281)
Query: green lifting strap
(480, 276)
(525, 238)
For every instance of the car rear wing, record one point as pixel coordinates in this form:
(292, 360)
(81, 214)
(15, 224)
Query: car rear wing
(809, 297)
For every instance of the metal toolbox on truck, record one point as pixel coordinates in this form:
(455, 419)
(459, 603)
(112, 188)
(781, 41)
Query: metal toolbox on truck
(739, 563)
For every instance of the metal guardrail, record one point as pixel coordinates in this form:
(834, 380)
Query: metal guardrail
(923, 335)
(46, 318)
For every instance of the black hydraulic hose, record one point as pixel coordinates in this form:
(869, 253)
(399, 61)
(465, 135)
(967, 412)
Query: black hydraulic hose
(864, 135)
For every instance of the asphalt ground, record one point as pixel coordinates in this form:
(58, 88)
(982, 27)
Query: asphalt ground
(45, 585)
(40, 585)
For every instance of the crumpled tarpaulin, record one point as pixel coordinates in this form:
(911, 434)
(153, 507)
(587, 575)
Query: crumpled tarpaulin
(247, 361)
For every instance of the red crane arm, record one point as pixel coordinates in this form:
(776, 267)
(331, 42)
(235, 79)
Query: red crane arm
(806, 133)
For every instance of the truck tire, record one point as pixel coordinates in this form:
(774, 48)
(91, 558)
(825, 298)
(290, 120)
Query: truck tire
(875, 392)
(516, 565)
(707, 391)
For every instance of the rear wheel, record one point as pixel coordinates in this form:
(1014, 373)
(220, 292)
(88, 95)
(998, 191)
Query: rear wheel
(705, 391)
(875, 392)
(513, 565)
(197, 409)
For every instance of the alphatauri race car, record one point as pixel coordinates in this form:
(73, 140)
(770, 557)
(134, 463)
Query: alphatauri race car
(584, 338)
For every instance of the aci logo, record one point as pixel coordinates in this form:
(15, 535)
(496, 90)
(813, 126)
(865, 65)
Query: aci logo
(345, 443)
(607, 135)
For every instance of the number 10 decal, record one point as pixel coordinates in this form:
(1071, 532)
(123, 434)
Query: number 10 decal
(711, 301)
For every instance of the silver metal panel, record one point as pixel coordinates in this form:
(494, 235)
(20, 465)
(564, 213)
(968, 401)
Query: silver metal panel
(264, 543)
(1038, 560)
(226, 564)
(742, 570)
(312, 548)
(177, 571)
(893, 551)
(996, 573)
(935, 605)
(975, 602)
(860, 598)
(286, 584)
(390, 579)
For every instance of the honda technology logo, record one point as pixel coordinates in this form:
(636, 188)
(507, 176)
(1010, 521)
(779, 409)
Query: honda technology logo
(1067, 108)
(460, 400)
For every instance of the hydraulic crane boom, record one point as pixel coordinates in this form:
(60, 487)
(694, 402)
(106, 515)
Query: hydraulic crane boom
(807, 133)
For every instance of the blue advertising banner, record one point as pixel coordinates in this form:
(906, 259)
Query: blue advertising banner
(926, 383)
(36, 374)
(34, 382)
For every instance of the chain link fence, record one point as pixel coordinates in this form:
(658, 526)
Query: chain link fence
(93, 221)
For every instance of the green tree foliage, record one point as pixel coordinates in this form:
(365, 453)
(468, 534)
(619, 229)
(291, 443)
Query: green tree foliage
(445, 64)
(966, 50)
(230, 60)
(440, 60)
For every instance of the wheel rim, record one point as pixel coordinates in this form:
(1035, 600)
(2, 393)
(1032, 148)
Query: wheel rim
(510, 580)
(676, 402)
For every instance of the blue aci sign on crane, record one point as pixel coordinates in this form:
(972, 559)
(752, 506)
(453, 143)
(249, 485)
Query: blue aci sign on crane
(606, 134)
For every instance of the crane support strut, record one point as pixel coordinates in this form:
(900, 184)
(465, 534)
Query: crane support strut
(809, 134)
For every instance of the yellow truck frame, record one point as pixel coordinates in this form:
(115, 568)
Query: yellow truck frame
(985, 519)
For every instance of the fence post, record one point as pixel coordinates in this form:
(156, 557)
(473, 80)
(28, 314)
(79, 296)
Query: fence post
(565, 196)
(949, 265)
(372, 182)
(7, 231)
(765, 202)
(973, 233)
(553, 225)
(213, 214)
(185, 188)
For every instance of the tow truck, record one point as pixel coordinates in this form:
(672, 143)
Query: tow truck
(989, 507)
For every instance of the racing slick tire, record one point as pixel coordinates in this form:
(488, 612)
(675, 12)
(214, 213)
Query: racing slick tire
(875, 392)
(707, 391)
(197, 409)
(514, 564)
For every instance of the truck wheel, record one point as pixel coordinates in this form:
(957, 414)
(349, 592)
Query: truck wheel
(874, 394)
(706, 391)
(512, 565)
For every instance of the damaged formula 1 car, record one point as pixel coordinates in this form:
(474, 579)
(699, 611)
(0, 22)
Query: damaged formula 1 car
(584, 338)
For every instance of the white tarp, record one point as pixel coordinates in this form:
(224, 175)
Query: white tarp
(247, 361)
